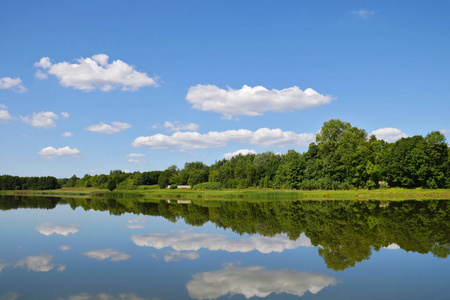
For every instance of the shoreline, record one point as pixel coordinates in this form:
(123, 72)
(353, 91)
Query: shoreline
(396, 194)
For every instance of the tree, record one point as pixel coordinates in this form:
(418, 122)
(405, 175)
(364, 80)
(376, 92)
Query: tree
(111, 185)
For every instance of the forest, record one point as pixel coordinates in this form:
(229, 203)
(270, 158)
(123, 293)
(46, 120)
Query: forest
(341, 158)
(8, 182)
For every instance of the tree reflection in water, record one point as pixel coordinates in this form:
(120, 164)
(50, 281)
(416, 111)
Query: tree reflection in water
(347, 231)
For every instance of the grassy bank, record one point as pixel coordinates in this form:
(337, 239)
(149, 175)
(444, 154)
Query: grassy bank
(248, 194)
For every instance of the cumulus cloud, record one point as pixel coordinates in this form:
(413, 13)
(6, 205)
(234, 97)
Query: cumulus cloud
(389, 134)
(65, 115)
(14, 84)
(39, 263)
(177, 126)
(264, 137)
(4, 114)
(138, 161)
(252, 101)
(67, 134)
(107, 128)
(110, 254)
(136, 155)
(44, 119)
(40, 75)
(51, 152)
(64, 248)
(256, 281)
(362, 13)
(104, 296)
(239, 152)
(443, 131)
(95, 72)
(49, 229)
(216, 242)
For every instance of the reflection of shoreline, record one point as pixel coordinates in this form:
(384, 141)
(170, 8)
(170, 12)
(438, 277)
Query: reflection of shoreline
(255, 281)
(215, 242)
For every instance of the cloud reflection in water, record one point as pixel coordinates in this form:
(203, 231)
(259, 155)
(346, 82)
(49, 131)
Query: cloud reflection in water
(214, 242)
(104, 296)
(49, 229)
(39, 263)
(255, 281)
(110, 254)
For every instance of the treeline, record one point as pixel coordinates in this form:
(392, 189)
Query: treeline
(343, 157)
(8, 182)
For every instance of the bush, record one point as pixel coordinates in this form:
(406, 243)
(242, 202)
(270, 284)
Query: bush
(207, 186)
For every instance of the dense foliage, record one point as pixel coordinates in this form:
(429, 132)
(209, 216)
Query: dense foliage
(8, 182)
(342, 157)
(347, 231)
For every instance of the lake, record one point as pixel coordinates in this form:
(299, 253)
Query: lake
(104, 249)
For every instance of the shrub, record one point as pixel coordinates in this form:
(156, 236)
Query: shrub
(207, 186)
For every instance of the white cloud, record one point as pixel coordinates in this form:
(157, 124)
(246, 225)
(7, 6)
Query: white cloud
(49, 229)
(177, 126)
(389, 134)
(14, 84)
(136, 155)
(256, 281)
(252, 101)
(39, 263)
(104, 296)
(443, 131)
(40, 75)
(65, 115)
(110, 254)
(67, 134)
(95, 72)
(264, 137)
(362, 13)
(178, 255)
(64, 248)
(4, 114)
(239, 152)
(44, 119)
(216, 242)
(138, 161)
(51, 152)
(109, 129)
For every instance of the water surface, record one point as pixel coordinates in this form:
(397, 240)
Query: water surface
(53, 248)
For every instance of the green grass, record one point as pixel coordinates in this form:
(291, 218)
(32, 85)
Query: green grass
(247, 194)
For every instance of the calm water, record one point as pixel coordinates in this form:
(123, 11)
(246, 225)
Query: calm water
(54, 248)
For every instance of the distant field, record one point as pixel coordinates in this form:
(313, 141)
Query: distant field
(248, 194)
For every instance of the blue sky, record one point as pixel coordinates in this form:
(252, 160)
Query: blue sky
(91, 86)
